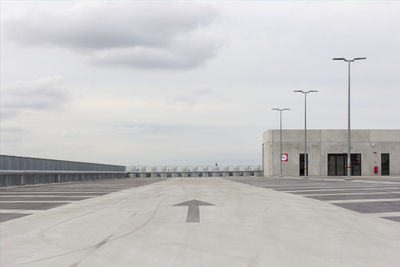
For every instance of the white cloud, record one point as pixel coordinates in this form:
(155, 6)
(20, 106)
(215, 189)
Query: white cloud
(136, 34)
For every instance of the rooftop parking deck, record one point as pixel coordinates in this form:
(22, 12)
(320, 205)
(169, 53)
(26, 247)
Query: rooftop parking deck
(230, 221)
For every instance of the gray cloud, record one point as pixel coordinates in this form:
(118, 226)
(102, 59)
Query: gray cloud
(137, 34)
(47, 93)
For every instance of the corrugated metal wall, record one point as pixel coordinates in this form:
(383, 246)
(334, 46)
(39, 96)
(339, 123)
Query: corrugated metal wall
(25, 163)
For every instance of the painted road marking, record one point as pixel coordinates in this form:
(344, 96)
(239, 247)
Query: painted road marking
(31, 205)
(193, 214)
(362, 200)
(397, 219)
(10, 216)
(377, 198)
(350, 194)
(372, 206)
(355, 197)
(28, 199)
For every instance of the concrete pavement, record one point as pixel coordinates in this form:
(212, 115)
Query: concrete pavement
(17, 201)
(246, 224)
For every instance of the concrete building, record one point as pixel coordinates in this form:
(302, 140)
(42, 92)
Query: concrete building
(374, 152)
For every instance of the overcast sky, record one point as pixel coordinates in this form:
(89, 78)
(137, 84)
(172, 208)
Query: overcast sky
(188, 83)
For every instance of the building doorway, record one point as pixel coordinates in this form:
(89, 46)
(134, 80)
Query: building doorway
(385, 164)
(337, 164)
(301, 164)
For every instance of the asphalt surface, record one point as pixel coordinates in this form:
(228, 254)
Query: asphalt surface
(377, 196)
(19, 201)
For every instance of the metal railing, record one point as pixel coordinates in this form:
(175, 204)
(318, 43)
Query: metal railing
(30, 177)
(193, 171)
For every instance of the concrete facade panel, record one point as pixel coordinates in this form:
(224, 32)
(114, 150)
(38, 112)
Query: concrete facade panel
(369, 143)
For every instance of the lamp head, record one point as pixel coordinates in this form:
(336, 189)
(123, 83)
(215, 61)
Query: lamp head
(281, 109)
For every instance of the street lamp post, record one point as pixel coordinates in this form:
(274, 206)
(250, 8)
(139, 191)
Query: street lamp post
(348, 113)
(280, 117)
(305, 127)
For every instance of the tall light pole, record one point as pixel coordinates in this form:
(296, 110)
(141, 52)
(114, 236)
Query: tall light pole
(305, 127)
(348, 116)
(280, 117)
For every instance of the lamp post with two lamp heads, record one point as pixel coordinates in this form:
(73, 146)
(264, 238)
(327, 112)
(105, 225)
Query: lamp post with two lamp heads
(280, 113)
(349, 61)
(305, 127)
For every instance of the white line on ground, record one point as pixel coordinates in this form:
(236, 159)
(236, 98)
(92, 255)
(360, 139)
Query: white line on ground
(37, 201)
(20, 211)
(55, 192)
(346, 194)
(336, 189)
(375, 181)
(386, 214)
(363, 200)
(49, 196)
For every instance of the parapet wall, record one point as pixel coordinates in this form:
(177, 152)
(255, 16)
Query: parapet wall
(24, 170)
(27, 163)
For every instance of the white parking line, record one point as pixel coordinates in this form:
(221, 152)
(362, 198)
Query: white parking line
(20, 211)
(49, 196)
(346, 194)
(363, 200)
(55, 192)
(344, 189)
(386, 214)
(37, 201)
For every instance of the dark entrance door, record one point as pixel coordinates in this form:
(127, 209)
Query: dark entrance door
(355, 164)
(301, 164)
(385, 164)
(337, 164)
